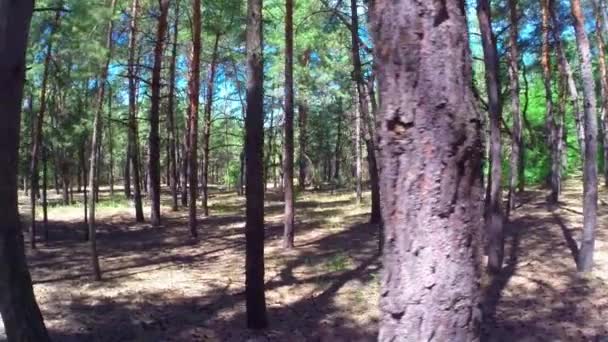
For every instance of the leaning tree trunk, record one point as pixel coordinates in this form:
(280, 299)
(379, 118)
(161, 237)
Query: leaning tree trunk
(207, 128)
(154, 138)
(194, 86)
(585, 256)
(95, 144)
(516, 131)
(430, 156)
(133, 130)
(494, 219)
(254, 150)
(18, 307)
(288, 218)
(364, 114)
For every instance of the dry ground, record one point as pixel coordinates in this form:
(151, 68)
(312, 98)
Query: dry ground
(160, 285)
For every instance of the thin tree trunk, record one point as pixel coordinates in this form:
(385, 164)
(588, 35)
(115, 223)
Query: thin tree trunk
(95, 143)
(516, 130)
(153, 138)
(357, 111)
(254, 147)
(45, 218)
(289, 214)
(194, 89)
(601, 48)
(18, 307)
(554, 180)
(566, 71)
(430, 150)
(303, 123)
(37, 134)
(207, 128)
(585, 256)
(133, 127)
(171, 114)
(110, 142)
(494, 219)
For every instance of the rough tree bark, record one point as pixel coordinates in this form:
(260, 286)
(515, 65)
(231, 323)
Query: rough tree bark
(18, 307)
(288, 217)
(254, 151)
(95, 144)
(494, 218)
(585, 255)
(171, 114)
(516, 131)
(133, 127)
(207, 128)
(193, 87)
(430, 155)
(154, 138)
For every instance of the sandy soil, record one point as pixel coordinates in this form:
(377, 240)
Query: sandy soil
(160, 285)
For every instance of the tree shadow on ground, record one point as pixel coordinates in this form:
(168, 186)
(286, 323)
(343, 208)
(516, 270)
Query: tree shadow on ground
(308, 289)
(539, 296)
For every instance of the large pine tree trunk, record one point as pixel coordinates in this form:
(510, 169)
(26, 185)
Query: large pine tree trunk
(430, 155)
(207, 128)
(173, 180)
(20, 313)
(133, 127)
(95, 148)
(254, 150)
(154, 138)
(494, 219)
(194, 86)
(516, 131)
(585, 256)
(288, 219)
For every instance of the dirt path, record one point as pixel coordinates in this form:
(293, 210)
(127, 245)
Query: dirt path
(160, 285)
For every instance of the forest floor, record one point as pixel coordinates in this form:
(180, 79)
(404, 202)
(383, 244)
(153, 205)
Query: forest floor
(161, 285)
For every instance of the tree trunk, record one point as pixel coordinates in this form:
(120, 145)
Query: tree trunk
(601, 48)
(110, 142)
(194, 89)
(289, 215)
(171, 114)
(516, 130)
(254, 150)
(566, 73)
(45, 218)
(494, 219)
(37, 134)
(133, 130)
(153, 138)
(303, 123)
(554, 179)
(95, 144)
(357, 112)
(430, 155)
(18, 307)
(585, 256)
(207, 128)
